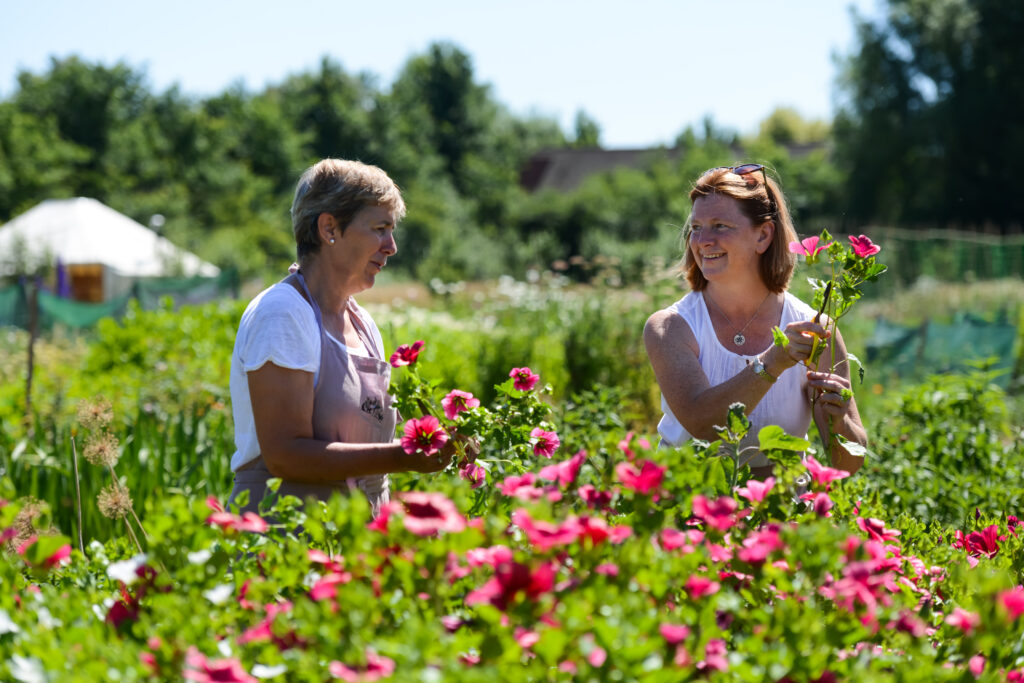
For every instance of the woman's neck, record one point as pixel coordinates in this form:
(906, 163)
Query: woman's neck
(738, 301)
(325, 287)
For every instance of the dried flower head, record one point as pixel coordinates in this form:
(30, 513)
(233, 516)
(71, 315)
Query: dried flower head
(24, 523)
(95, 414)
(102, 450)
(114, 501)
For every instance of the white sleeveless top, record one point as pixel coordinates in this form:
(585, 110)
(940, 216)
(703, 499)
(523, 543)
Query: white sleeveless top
(786, 402)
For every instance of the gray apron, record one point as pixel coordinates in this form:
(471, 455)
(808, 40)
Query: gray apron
(351, 404)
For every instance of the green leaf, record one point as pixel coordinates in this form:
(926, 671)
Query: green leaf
(779, 337)
(854, 448)
(773, 437)
(738, 422)
(44, 548)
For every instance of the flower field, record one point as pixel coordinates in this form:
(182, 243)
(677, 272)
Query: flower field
(568, 549)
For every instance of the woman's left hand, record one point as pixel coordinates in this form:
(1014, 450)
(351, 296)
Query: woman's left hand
(827, 391)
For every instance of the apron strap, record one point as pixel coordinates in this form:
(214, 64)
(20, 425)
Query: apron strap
(362, 329)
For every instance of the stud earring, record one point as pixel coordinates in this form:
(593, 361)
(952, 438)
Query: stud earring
(332, 240)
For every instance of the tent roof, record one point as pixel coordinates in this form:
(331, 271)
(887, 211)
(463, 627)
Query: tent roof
(84, 230)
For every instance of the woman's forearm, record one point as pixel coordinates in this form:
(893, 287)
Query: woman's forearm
(315, 461)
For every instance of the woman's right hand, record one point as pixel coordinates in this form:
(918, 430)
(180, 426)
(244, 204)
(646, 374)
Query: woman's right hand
(801, 335)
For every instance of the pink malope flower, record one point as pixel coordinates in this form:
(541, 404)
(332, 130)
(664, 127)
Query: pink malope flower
(424, 434)
(648, 478)
(204, 670)
(380, 522)
(875, 528)
(864, 247)
(492, 556)
(405, 354)
(1013, 601)
(597, 657)
(474, 474)
(627, 440)
(822, 474)
(524, 379)
(822, 504)
(976, 665)
(963, 620)
(608, 569)
(720, 514)
(564, 472)
(521, 487)
(248, 521)
(714, 656)
(546, 442)
(377, 667)
(595, 498)
(756, 491)
(526, 638)
(458, 402)
(808, 247)
(510, 579)
(430, 513)
(674, 633)
(699, 586)
(545, 535)
(978, 543)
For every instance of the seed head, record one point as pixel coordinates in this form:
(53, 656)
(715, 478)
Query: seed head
(95, 414)
(102, 450)
(114, 501)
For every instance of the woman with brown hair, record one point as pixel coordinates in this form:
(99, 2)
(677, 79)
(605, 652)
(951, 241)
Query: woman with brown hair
(309, 377)
(714, 347)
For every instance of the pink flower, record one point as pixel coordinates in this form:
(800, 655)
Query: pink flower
(564, 472)
(1013, 601)
(203, 670)
(822, 504)
(627, 440)
(595, 498)
(755, 491)
(526, 638)
(863, 247)
(963, 620)
(424, 434)
(597, 656)
(714, 656)
(674, 633)
(546, 442)
(720, 514)
(458, 402)
(474, 474)
(976, 665)
(493, 556)
(545, 535)
(524, 379)
(510, 579)
(380, 522)
(248, 521)
(822, 474)
(648, 478)
(984, 542)
(808, 247)
(699, 586)
(608, 569)
(405, 354)
(377, 667)
(875, 528)
(429, 513)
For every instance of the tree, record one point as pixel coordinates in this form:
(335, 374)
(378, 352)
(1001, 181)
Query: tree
(931, 113)
(588, 132)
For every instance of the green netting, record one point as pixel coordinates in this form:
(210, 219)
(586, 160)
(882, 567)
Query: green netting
(150, 293)
(934, 347)
(12, 307)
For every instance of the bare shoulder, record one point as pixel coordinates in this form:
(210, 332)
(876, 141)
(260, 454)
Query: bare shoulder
(666, 329)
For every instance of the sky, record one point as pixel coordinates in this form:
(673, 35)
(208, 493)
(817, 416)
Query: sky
(644, 70)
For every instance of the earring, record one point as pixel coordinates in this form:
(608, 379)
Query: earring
(332, 240)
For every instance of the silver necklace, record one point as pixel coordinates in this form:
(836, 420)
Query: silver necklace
(738, 339)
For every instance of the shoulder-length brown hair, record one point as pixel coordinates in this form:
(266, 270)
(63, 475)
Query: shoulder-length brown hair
(760, 199)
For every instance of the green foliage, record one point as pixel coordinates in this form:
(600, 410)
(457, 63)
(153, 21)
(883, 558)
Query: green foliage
(948, 449)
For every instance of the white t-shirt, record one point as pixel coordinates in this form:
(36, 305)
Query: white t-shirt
(277, 326)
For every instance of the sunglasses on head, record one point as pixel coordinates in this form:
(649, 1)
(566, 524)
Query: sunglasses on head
(747, 169)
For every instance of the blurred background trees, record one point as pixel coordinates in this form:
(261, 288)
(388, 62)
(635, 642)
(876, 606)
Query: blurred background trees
(928, 131)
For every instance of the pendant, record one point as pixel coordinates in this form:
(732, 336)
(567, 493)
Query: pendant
(739, 339)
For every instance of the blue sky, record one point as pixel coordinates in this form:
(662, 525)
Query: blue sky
(643, 69)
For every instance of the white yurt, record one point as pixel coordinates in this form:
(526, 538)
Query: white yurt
(103, 251)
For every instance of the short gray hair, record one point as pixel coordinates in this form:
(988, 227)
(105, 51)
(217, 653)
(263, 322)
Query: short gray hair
(341, 188)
